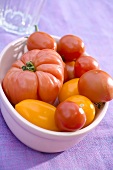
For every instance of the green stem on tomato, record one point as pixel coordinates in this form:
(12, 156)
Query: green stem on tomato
(29, 66)
(36, 28)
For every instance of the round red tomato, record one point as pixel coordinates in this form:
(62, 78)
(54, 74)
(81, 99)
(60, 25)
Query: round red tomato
(84, 64)
(69, 116)
(41, 40)
(65, 73)
(86, 105)
(96, 85)
(69, 70)
(70, 47)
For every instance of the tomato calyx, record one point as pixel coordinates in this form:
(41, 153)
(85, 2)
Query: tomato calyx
(29, 66)
(99, 104)
(63, 58)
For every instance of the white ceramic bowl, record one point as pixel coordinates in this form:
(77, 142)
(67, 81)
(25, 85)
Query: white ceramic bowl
(31, 135)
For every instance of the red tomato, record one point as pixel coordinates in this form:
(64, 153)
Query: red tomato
(84, 64)
(37, 75)
(69, 116)
(86, 105)
(65, 73)
(41, 40)
(69, 69)
(96, 85)
(70, 47)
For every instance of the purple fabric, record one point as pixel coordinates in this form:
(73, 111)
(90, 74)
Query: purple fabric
(93, 22)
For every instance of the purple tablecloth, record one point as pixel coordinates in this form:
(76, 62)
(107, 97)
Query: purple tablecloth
(93, 22)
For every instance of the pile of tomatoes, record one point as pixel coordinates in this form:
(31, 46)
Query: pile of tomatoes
(57, 86)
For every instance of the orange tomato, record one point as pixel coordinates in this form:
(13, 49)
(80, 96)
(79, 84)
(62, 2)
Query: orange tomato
(37, 112)
(86, 105)
(39, 74)
(68, 89)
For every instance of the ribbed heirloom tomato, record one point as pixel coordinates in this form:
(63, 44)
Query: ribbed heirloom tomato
(39, 74)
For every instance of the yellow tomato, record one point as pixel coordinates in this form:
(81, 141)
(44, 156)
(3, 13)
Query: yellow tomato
(68, 89)
(86, 105)
(38, 113)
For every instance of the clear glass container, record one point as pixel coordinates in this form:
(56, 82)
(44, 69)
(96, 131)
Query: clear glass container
(20, 16)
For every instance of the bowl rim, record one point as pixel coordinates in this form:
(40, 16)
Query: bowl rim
(31, 126)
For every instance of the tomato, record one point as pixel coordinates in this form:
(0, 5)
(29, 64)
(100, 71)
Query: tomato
(86, 105)
(39, 74)
(41, 40)
(97, 85)
(84, 64)
(70, 47)
(37, 112)
(69, 69)
(69, 116)
(68, 89)
(65, 73)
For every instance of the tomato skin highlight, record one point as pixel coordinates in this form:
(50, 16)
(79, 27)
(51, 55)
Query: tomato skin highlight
(70, 47)
(41, 40)
(37, 112)
(69, 116)
(84, 64)
(96, 85)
